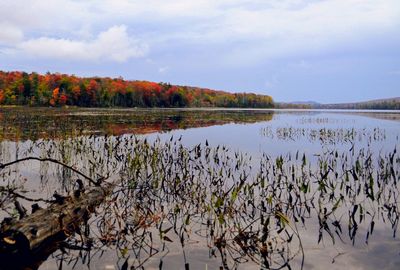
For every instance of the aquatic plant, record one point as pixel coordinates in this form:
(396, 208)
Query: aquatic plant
(168, 195)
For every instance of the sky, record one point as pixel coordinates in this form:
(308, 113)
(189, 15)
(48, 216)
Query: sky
(294, 50)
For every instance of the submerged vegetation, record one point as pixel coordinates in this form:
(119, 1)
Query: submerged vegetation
(169, 196)
(21, 88)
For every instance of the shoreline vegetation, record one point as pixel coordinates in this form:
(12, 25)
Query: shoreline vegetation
(56, 90)
(18, 88)
(377, 104)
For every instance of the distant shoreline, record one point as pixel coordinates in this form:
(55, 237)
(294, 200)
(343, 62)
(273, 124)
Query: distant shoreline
(376, 104)
(332, 110)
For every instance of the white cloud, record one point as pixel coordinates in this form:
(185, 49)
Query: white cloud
(244, 30)
(113, 44)
(10, 34)
(46, 15)
(313, 25)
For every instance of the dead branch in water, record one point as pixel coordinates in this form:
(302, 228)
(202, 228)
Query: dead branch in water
(26, 243)
(32, 239)
(96, 183)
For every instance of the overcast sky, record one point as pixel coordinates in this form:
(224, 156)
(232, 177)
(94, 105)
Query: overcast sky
(294, 50)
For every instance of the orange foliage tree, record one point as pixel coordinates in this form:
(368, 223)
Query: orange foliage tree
(35, 89)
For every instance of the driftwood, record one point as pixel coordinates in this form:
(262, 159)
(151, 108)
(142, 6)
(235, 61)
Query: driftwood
(26, 243)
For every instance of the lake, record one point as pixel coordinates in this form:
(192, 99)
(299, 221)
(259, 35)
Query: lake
(212, 188)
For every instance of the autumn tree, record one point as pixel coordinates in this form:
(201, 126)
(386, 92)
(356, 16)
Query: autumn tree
(54, 89)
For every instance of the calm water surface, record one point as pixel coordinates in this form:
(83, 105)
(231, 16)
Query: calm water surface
(28, 132)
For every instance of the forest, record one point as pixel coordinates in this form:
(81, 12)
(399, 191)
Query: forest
(378, 104)
(56, 90)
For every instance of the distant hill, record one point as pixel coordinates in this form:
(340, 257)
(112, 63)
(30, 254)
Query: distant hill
(305, 102)
(297, 105)
(376, 104)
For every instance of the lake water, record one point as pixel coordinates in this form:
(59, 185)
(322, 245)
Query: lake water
(354, 148)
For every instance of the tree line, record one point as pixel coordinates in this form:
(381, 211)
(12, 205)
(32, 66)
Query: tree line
(55, 89)
(383, 104)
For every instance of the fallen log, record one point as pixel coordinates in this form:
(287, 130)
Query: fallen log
(26, 243)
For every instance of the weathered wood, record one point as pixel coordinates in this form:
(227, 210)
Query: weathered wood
(36, 235)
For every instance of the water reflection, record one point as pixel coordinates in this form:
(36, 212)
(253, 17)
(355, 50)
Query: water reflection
(219, 206)
(36, 123)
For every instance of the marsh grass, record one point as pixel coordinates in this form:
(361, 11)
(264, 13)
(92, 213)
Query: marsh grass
(325, 136)
(241, 210)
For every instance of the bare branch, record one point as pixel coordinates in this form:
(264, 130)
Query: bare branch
(2, 166)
